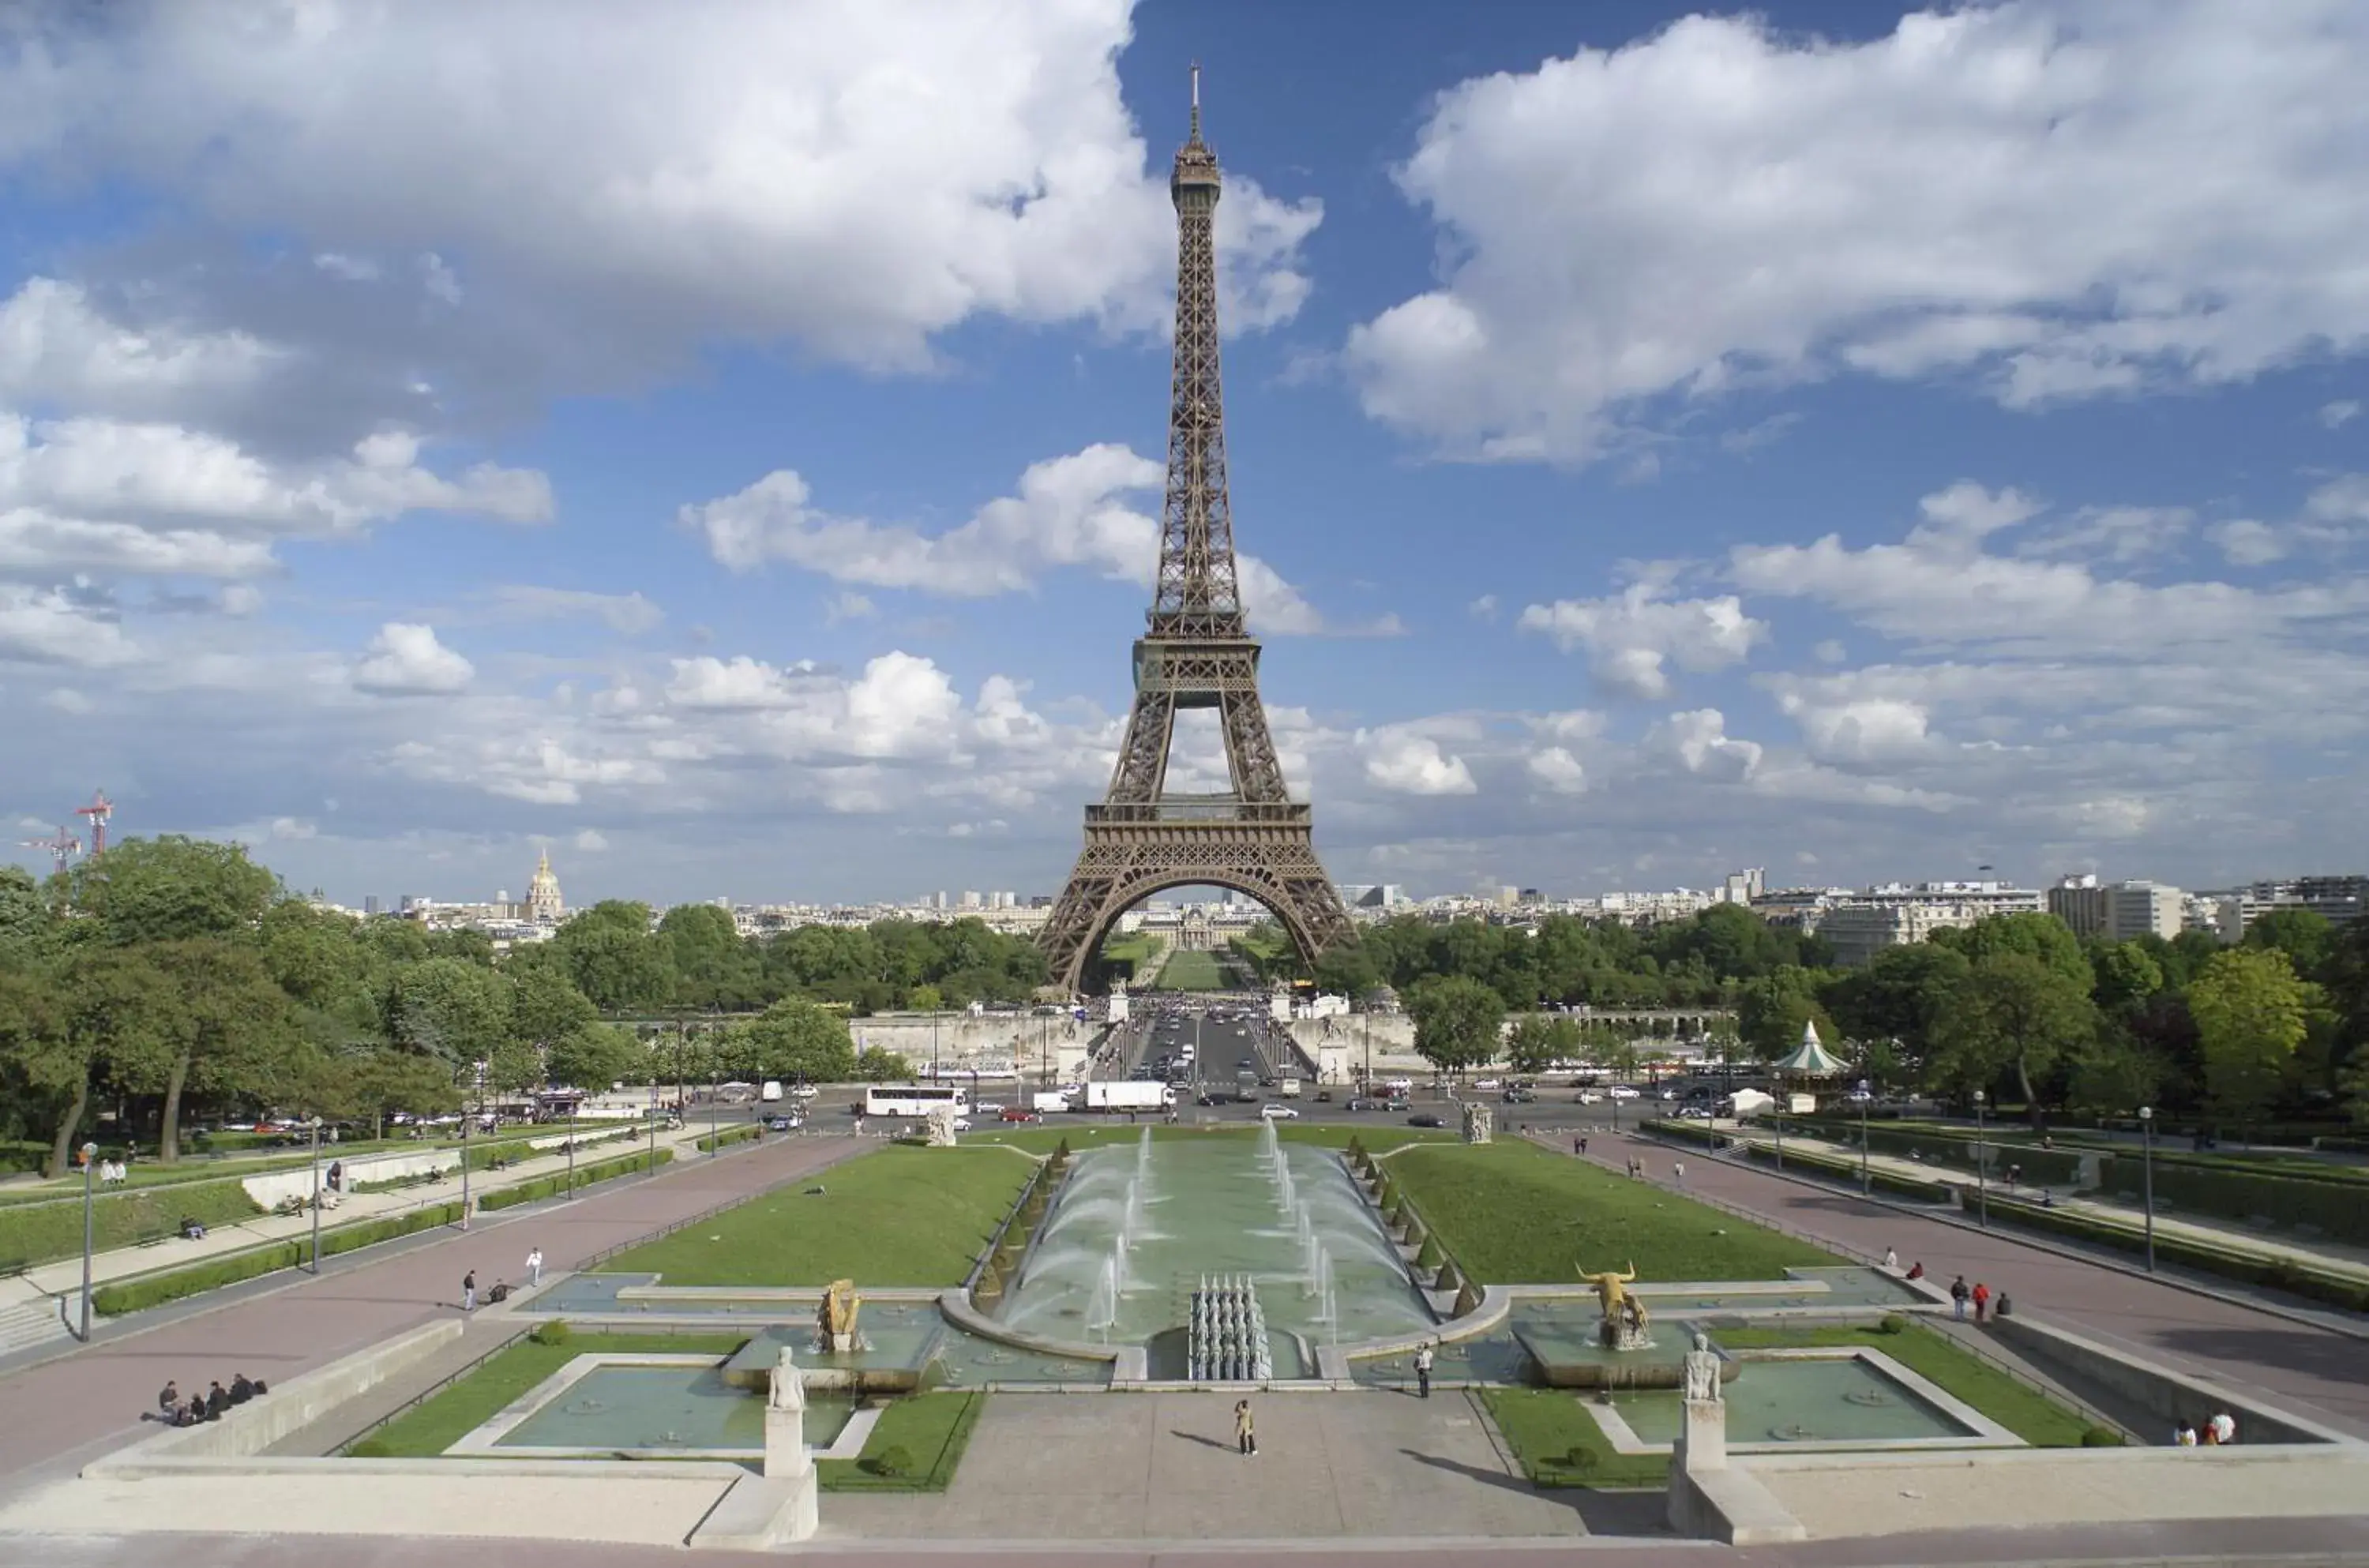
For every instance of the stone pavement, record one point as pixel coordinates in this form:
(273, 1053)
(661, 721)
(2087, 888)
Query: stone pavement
(2351, 1263)
(1164, 1466)
(91, 1401)
(65, 1277)
(2315, 1371)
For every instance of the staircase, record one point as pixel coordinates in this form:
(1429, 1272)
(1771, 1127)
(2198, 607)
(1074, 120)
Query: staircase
(25, 1325)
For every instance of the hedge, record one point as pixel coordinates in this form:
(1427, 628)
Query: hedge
(554, 1184)
(2334, 1204)
(2042, 1167)
(1846, 1169)
(139, 1295)
(47, 1231)
(2275, 1274)
(726, 1140)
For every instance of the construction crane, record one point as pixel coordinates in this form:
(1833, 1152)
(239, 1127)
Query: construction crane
(62, 848)
(99, 809)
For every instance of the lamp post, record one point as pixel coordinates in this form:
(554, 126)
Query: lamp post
(89, 1165)
(1982, 1168)
(2146, 1177)
(474, 1073)
(314, 1123)
(1777, 1110)
(574, 1102)
(1865, 1184)
(714, 1126)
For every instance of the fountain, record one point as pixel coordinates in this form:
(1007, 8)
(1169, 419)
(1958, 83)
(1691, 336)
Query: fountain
(1226, 1339)
(1101, 1313)
(835, 1320)
(1623, 1326)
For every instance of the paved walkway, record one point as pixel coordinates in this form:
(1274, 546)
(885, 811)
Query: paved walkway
(2351, 1263)
(2313, 1369)
(65, 1277)
(90, 1401)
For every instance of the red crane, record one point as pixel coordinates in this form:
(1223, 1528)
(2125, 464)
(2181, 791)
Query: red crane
(99, 809)
(62, 848)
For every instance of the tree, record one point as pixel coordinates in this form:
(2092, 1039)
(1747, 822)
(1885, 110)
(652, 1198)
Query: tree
(386, 1081)
(544, 1005)
(614, 957)
(25, 927)
(2306, 936)
(2251, 1013)
(230, 1026)
(713, 966)
(170, 888)
(595, 1056)
(2041, 937)
(2124, 978)
(798, 1039)
(1456, 1020)
(449, 1008)
(1772, 1009)
(2114, 1075)
(2016, 1012)
(1899, 996)
(878, 1066)
(1539, 1042)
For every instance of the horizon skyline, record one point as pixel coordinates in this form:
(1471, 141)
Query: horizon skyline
(1632, 460)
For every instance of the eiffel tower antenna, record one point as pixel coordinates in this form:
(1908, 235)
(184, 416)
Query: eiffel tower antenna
(1196, 652)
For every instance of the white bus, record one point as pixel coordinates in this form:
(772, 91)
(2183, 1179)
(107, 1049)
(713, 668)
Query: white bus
(914, 1098)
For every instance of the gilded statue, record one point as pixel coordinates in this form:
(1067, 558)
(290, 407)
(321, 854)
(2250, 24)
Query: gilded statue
(840, 1304)
(1619, 1306)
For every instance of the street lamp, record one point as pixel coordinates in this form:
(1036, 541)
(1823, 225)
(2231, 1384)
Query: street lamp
(574, 1101)
(89, 1165)
(477, 1075)
(2146, 1177)
(314, 1123)
(1982, 1167)
(1865, 1095)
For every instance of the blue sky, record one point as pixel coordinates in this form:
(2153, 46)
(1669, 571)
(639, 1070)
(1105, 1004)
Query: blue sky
(722, 447)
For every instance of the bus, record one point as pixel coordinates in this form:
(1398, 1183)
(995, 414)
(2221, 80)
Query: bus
(914, 1098)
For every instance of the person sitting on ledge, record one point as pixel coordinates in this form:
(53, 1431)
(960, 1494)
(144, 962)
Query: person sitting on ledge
(217, 1401)
(500, 1292)
(169, 1400)
(1916, 1270)
(241, 1390)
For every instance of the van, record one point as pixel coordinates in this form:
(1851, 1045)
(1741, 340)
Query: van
(771, 1092)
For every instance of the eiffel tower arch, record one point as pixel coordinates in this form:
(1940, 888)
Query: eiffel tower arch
(1196, 652)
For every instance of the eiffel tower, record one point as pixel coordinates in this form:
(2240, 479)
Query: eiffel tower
(1197, 653)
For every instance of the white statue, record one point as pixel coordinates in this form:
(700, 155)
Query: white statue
(789, 1384)
(1702, 1370)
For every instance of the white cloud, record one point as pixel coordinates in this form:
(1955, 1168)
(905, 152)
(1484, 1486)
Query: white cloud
(1068, 512)
(850, 606)
(53, 626)
(591, 840)
(1700, 742)
(67, 700)
(55, 346)
(1629, 638)
(1868, 730)
(1559, 771)
(2333, 416)
(2335, 517)
(857, 175)
(289, 828)
(406, 659)
(2248, 542)
(2056, 198)
(728, 685)
(1402, 760)
(2123, 534)
(627, 613)
(1483, 608)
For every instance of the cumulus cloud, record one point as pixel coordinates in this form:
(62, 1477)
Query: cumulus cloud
(406, 660)
(1556, 768)
(590, 841)
(1700, 741)
(1631, 638)
(628, 613)
(727, 685)
(855, 174)
(1723, 205)
(2336, 414)
(1408, 762)
(1866, 729)
(57, 346)
(1070, 511)
(55, 626)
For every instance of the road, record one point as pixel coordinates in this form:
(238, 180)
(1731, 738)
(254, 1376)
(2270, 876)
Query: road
(90, 1401)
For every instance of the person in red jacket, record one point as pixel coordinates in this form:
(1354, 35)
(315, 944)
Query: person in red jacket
(1982, 1302)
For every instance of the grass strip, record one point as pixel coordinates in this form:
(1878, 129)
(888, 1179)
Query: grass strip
(922, 1438)
(2005, 1399)
(425, 1431)
(1558, 1444)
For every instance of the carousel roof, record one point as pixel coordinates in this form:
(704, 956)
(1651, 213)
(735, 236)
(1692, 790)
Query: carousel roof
(1812, 1059)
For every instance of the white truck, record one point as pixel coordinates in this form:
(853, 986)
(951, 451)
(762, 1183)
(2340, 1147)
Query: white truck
(1128, 1095)
(1046, 1104)
(1288, 1087)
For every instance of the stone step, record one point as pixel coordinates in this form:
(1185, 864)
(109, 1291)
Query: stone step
(26, 1325)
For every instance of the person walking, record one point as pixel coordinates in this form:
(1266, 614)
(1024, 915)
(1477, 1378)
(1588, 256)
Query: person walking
(534, 1267)
(1959, 1295)
(1982, 1302)
(469, 1291)
(1245, 1439)
(1678, 1173)
(1891, 1258)
(1423, 1371)
(1583, 1148)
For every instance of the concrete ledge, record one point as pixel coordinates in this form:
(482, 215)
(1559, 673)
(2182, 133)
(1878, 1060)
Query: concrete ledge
(2167, 1395)
(248, 1430)
(1729, 1505)
(1129, 1363)
(457, 1470)
(759, 1514)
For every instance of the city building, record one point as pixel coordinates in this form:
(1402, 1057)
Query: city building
(2118, 912)
(543, 904)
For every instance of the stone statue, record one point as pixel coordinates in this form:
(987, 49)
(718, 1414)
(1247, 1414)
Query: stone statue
(1479, 1122)
(940, 1127)
(788, 1390)
(1701, 1370)
(1623, 1326)
(835, 1319)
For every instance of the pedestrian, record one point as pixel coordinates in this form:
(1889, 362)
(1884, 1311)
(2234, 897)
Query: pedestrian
(2003, 1306)
(1959, 1294)
(1678, 1173)
(1245, 1440)
(534, 1267)
(1916, 1270)
(2183, 1436)
(1982, 1302)
(1583, 1148)
(1891, 1258)
(1423, 1371)
(2222, 1430)
(469, 1291)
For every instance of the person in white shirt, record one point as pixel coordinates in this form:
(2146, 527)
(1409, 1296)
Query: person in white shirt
(1891, 1258)
(534, 1267)
(2225, 1429)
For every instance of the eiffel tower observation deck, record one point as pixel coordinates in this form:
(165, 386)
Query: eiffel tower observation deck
(1196, 652)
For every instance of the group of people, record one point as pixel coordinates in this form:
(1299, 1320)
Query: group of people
(1977, 1296)
(114, 1173)
(173, 1411)
(501, 1290)
(2217, 1433)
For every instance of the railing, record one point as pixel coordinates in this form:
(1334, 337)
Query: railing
(978, 1265)
(438, 1387)
(1214, 812)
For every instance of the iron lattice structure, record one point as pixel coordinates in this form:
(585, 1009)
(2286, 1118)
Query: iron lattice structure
(1196, 653)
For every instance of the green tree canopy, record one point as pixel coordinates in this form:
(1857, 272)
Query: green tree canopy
(1456, 1021)
(798, 1039)
(615, 959)
(2014, 1012)
(1537, 1042)
(170, 888)
(2251, 1013)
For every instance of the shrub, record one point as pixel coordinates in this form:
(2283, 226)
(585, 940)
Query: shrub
(1579, 1457)
(726, 1140)
(2102, 1437)
(555, 1332)
(138, 1295)
(1892, 1324)
(585, 1175)
(892, 1460)
(44, 1230)
(1430, 1254)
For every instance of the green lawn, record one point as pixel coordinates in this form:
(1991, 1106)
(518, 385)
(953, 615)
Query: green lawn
(1192, 971)
(1557, 1443)
(2022, 1410)
(932, 1429)
(1513, 1213)
(903, 1216)
(428, 1430)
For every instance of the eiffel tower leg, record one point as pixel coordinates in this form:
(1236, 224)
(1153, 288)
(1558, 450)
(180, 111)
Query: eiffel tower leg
(1142, 770)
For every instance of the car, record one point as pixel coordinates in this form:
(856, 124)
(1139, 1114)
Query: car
(1425, 1119)
(1365, 1103)
(1622, 1092)
(1589, 1097)
(785, 1123)
(1274, 1112)
(1519, 1097)
(1017, 1114)
(989, 1108)
(962, 1124)
(803, 1091)
(1486, 1083)
(1324, 1096)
